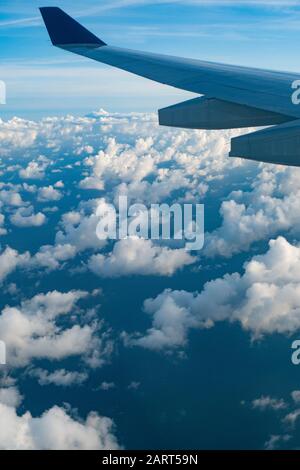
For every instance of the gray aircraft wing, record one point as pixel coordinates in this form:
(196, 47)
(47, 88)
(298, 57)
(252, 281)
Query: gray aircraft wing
(234, 96)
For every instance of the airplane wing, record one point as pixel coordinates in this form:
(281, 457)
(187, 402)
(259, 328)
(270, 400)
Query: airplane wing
(233, 96)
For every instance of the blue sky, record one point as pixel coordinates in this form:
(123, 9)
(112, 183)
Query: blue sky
(43, 80)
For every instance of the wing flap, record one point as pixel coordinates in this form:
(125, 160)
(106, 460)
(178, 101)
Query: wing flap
(211, 113)
(279, 144)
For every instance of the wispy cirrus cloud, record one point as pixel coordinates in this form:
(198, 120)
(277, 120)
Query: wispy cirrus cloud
(21, 22)
(82, 10)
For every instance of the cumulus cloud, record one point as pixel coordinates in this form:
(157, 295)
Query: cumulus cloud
(10, 260)
(17, 135)
(60, 377)
(266, 402)
(32, 331)
(171, 324)
(296, 396)
(105, 386)
(264, 300)
(3, 230)
(48, 193)
(287, 420)
(11, 198)
(51, 257)
(121, 161)
(35, 170)
(275, 441)
(78, 229)
(291, 418)
(25, 217)
(134, 385)
(268, 207)
(91, 182)
(29, 188)
(10, 396)
(55, 429)
(134, 256)
(48, 257)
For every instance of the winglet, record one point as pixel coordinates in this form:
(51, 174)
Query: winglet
(64, 30)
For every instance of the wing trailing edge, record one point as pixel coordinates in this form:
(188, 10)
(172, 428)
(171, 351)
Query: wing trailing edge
(279, 144)
(211, 113)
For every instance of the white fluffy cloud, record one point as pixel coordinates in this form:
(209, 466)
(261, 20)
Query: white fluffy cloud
(296, 396)
(287, 411)
(78, 229)
(35, 170)
(25, 217)
(291, 418)
(267, 402)
(31, 331)
(59, 377)
(275, 441)
(264, 300)
(55, 429)
(120, 161)
(134, 256)
(10, 396)
(11, 198)
(268, 207)
(9, 260)
(105, 386)
(48, 193)
(3, 230)
(51, 257)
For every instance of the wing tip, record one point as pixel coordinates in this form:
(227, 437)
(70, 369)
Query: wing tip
(64, 30)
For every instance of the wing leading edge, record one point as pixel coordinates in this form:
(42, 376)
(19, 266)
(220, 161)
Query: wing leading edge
(243, 96)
